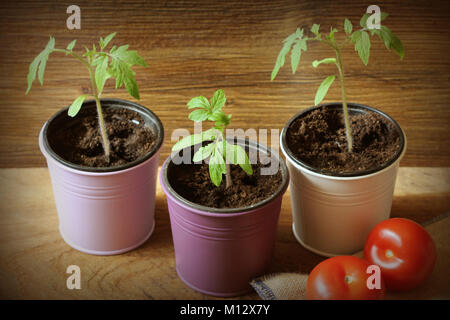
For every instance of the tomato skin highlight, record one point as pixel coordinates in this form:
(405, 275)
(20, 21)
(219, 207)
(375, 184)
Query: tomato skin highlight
(341, 278)
(404, 251)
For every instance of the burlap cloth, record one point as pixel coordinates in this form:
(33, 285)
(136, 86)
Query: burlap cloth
(292, 286)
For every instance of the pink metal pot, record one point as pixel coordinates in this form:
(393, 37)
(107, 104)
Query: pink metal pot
(218, 251)
(103, 211)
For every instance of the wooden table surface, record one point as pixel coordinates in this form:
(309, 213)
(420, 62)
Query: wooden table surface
(34, 258)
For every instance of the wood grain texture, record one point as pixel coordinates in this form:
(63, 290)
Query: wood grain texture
(34, 258)
(195, 47)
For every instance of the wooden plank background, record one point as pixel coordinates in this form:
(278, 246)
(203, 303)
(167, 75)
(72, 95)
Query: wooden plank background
(195, 47)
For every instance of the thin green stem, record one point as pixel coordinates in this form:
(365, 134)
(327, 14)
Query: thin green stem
(348, 129)
(101, 120)
(229, 181)
(96, 95)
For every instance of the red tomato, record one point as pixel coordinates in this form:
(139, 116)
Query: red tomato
(404, 251)
(342, 278)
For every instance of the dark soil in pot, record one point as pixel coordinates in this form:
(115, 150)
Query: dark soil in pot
(317, 138)
(192, 182)
(78, 141)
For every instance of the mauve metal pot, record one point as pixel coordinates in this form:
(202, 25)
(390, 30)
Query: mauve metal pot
(103, 211)
(218, 251)
(333, 214)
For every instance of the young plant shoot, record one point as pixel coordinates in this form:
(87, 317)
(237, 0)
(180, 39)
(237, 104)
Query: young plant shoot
(102, 65)
(361, 40)
(220, 152)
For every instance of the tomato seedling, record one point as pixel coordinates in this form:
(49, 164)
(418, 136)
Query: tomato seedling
(220, 152)
(361, 40)
(101, 65)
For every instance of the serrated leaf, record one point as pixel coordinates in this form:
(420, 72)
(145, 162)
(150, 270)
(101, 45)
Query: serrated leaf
(199, 102)
(199, 115)
(32, 69)
(76, 105)
(101, 74)
(218, 100)
(323, 89)
(37, 62)
(221, 119)
(299, 33)
(133, 58)
(296, 53)
(71, 45)
(108, 38)
(315, 29)
(330, 36)
(41, 69)
(203, 152)
(124, 76)
(287, 44)
(208, 135)
(362, 46)
(217, 167)
(235, 154)
(326, 61)
(131, 86)
(397, 45)
(348, 27)
(391, 41)
(363, 21)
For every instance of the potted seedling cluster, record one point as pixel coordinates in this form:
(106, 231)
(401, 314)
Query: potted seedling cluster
(223, 210)
(102, 154)
(342, 157)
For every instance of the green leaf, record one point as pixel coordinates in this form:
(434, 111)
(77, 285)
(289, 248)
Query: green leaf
(203, 152)
(32, 69)
(330, 36)
(199, 102)
(41, 69)
(218, 100)
(363, 21)
(133, 58)
(131, 86)
(101, 74)
(39, 61)
(362, 45)
(71, 45)
(76, 105)
(217, 167)
(348, 27)
(323, 89)
(221, 119)
(208, 135)
(199, 115)
(108, 39)
(296, 53)
(391, 41)
(235, 154)
(315, 29)
(282, 55)
(326, 61)
(124, 75)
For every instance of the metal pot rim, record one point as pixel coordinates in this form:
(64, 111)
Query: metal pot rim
(352, 107)
(106, 103)
(211, 211)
